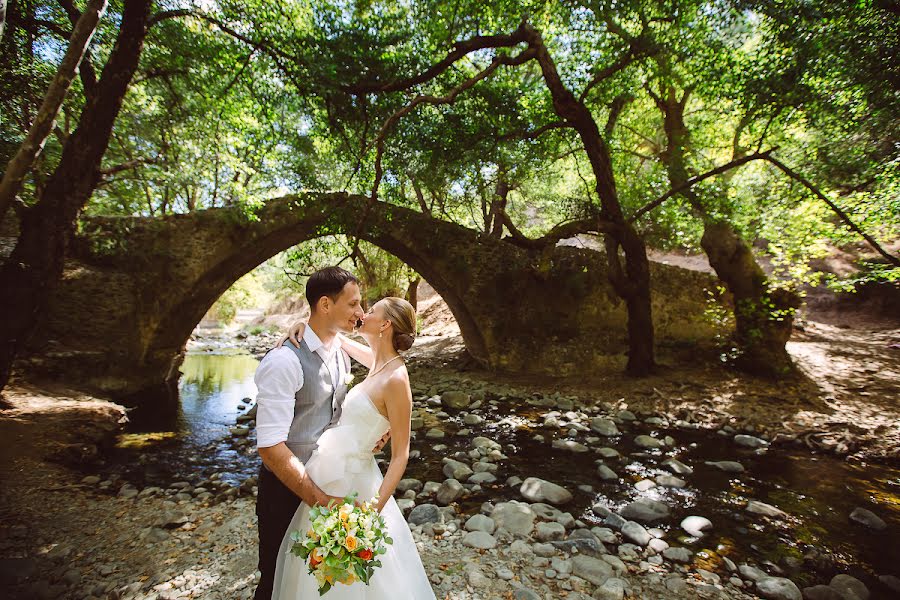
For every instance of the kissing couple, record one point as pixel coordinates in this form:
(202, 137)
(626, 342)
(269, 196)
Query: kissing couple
(317, 441)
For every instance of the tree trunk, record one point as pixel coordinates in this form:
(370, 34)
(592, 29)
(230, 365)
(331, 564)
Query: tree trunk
(43, 123)
(36, 263)
(763, 317)
(633, 282)
(412, 292)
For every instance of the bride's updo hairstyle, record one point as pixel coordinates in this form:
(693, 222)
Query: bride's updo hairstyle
(402, 316)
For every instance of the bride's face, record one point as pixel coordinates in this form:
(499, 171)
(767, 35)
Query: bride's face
(373, 322)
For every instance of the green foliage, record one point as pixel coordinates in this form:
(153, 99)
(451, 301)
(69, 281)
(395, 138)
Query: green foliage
(246, 292)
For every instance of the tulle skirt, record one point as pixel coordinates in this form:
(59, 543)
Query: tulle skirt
(401, 576)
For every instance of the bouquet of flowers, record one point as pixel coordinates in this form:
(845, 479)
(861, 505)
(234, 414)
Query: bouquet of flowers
(342, 542)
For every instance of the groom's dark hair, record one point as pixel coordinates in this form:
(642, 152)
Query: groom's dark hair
(330, 282)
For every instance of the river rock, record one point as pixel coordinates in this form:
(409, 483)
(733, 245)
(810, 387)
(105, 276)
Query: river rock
(670, 481)
(645, 510)
(453, 469)
(480, 523)
(239, 431)
(449, 491)
(767, 510)
(752, 573)
(729, 466)
(868, 518)
(680, 555)
(570, 445)
(677, 467)
(649, 442)
(749, 441)
(695, 526)
(591, 569)
(605, 427)
(612, 589)
(480, 540)
(539, 490)
(626, 415)
(425, 513)
(547, 532)
(644, 484)
(435, 434)
(471, 419)
(820, 592)
(91, 480)
(483, 477)
(608, 452)
(778, 588)
(636, 533)
(456, 400)
(515, 517)
(606, 474)
(409, 484)
(850, 588)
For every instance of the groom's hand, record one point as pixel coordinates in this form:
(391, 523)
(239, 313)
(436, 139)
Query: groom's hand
(380, 443)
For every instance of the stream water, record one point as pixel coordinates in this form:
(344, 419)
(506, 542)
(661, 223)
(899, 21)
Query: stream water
(814, 543)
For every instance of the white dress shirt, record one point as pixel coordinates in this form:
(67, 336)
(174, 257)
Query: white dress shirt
(278, 378)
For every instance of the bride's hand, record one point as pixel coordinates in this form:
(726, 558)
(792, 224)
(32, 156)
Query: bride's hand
(295, 334)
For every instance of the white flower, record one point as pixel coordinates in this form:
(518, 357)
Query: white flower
(348, 378)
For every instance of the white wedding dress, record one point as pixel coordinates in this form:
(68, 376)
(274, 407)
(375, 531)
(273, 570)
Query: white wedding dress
(341, 464)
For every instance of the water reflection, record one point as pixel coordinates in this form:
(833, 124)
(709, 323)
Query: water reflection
(193, 440)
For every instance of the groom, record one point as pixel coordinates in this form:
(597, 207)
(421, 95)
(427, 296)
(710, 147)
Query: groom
(301, 393)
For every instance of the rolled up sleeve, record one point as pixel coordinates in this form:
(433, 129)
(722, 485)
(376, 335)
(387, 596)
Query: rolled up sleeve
(278, 378)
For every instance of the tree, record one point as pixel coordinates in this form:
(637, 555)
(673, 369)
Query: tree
(36, 263)
(53, 99)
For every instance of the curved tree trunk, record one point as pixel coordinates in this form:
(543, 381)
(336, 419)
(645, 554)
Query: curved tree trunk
(36, 263)
(632, 283)
(763, 316)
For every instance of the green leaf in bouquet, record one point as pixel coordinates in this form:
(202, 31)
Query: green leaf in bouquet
(360, 573)
(388, 540)
(324, 588)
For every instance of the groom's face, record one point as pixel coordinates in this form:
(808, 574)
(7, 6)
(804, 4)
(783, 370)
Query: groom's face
(347, 308)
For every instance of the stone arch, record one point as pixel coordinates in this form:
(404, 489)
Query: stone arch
(135, 287)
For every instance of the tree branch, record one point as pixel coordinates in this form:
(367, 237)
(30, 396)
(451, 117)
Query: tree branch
(697, 179)
(460, 49)
(834, 207)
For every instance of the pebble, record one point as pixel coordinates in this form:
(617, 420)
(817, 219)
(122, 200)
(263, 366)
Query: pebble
(677, 467)
(868, 518)
(729, 466)
(480, 540)
(645, 510)
(767, 510)
(680, 555)
(604, 427)
(606, 474)
(646, 441)
(695, 526)
(636, 533)
(778, 588)
(850, 588)
(749, 441)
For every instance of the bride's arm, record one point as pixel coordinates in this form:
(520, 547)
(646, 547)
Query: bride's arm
(358, 352)
(398, 400)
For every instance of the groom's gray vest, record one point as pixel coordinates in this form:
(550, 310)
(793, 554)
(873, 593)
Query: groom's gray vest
(317, 404)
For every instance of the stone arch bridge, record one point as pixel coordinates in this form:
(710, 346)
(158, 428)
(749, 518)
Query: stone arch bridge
(134, 288)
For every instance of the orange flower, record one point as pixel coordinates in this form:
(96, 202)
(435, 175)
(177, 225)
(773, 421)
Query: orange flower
(351, 543)
(365, 554)
(314, 557)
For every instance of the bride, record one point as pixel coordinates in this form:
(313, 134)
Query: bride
(343, 462)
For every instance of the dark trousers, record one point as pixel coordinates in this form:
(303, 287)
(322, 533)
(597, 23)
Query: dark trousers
(275, 507)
